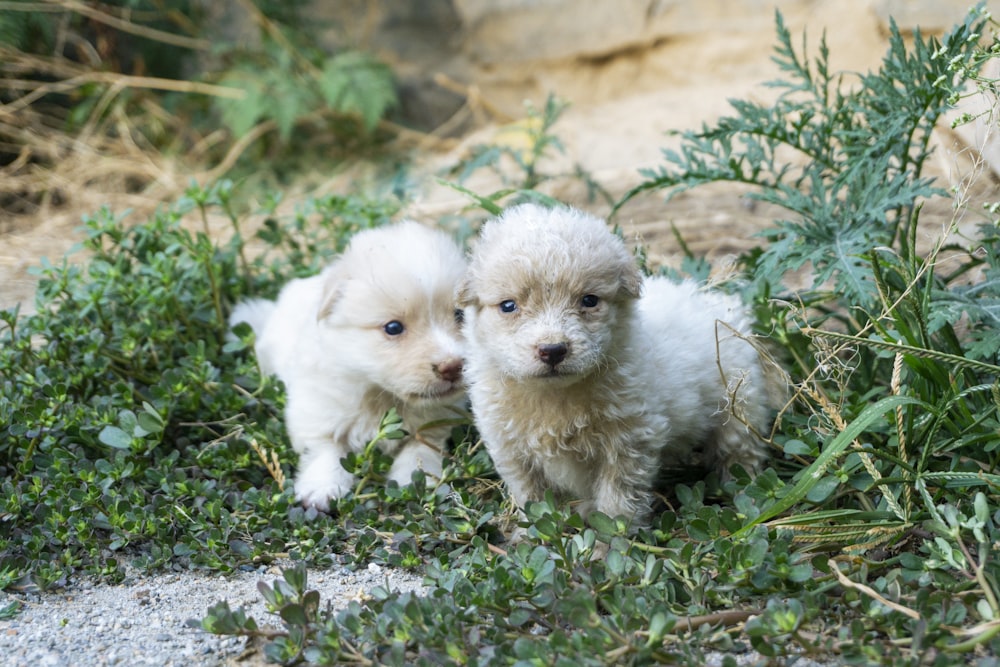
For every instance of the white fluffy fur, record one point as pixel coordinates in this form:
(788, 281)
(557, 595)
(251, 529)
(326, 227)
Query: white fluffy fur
(642, 379)
(326, 338)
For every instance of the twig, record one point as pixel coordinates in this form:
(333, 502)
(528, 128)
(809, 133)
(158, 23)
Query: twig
(126, 26)
(727, 618)
(473, 97)
(274, 32)
(29, 7)
(495, 549)
(122, 81)
(979, 634)
(237, 149)
(871, 592)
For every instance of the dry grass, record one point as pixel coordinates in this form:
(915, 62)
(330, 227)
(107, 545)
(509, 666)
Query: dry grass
(129, 150)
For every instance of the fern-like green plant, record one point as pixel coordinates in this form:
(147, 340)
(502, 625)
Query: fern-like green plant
(356, 83)
(900, 391)
(284, 87)
(859, 147)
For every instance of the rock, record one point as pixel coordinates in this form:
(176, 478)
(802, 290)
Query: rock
(931, 16)
(521, 30)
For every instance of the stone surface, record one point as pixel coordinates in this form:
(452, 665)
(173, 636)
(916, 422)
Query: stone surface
(929, 15)
(518, 31)
(521, 31)
(594, 51)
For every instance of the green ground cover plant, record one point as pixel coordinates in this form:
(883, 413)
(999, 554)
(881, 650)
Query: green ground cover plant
(128, 419)
(132, 429)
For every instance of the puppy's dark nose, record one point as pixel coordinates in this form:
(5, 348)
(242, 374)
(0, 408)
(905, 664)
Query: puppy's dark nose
(450, 371)
(552, 353)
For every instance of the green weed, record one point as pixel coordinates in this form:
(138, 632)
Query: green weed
(128, 424)
(521, 165)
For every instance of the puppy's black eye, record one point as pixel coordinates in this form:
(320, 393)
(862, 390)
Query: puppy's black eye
(508, 306)
(393, 328)
(459, 315)
(589, 301)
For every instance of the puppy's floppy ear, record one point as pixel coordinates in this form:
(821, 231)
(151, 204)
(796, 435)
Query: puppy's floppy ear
(630, 280)
(464, 296)
(334, 282)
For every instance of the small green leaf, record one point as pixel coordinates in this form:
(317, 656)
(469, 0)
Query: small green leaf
(127, 421)
(823, 489)
(149, 419)
(615, 563)
(539, 556)
(183, 550)
(985, 610)
(294, 614)
(698, 530)
(982, 507)
(297, 577)
(520, 616)
(603, 524)
(797, 448)
(10, 610)
(112, 436)
(310, 602)
(268, 594)
(658, 626)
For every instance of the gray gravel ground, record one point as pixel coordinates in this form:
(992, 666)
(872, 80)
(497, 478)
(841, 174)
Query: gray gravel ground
(143, 620)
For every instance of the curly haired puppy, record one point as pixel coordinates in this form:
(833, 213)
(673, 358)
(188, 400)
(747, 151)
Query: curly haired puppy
(584, 377)
(377, 329)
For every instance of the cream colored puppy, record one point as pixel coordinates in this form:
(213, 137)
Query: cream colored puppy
(580, 385)
(377, 329)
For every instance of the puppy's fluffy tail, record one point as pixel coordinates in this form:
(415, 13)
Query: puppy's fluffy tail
(255, 312)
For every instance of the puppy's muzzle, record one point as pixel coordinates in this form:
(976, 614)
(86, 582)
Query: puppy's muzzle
(552, 353)
(449, 371)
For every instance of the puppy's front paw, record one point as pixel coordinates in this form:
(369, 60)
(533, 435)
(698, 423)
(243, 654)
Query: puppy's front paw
(413, 457)
(319, 495)
(318, 498)
(316, 486)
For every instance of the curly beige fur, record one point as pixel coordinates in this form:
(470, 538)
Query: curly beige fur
(584, 377)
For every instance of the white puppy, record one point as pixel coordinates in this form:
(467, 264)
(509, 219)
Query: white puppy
(579, 385)
(377, 329)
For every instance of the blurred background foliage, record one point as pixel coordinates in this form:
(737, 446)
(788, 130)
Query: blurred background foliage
(147, 85)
